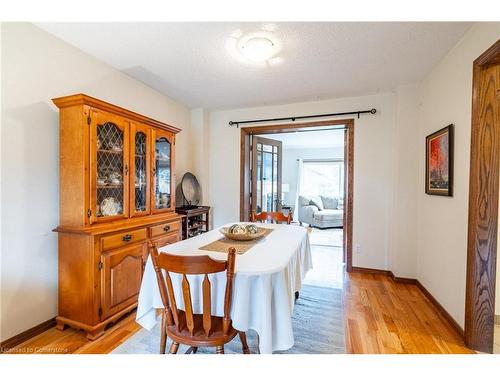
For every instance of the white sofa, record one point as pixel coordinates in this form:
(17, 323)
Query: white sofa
(320, 211)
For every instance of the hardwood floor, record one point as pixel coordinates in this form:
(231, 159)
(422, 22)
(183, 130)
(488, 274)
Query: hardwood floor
(381, 316)
(74, 341)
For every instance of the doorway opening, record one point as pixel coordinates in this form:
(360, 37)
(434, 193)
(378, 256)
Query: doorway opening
(283, 170)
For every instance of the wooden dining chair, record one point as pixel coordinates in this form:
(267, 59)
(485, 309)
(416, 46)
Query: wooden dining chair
(183, 326)
(273, 217)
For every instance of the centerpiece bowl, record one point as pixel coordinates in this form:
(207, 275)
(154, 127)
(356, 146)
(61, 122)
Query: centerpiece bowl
(241, 232)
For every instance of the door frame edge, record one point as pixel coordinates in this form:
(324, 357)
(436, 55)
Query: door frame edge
(483, 200)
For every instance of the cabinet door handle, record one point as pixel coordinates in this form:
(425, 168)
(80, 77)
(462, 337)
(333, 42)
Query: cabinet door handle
(127, 238)
(166, 228)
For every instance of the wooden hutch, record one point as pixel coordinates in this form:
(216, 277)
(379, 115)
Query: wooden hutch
(117, 191)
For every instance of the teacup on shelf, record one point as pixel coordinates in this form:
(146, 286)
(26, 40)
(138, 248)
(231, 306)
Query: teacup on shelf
(101, 181)
(115, 178)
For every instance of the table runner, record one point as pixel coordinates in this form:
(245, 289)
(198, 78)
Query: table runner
(265, 283)
(223, 244)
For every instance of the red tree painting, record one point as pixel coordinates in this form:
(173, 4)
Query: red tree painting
(439, 162)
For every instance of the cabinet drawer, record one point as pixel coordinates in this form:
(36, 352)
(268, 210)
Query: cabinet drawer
(165, 228)
(166, 240)
(124, 238)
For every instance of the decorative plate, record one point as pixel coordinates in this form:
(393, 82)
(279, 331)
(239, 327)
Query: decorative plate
(243, 236)
(191, 189)
(110, 207)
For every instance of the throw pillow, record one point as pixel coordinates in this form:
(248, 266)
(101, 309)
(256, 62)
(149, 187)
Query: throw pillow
(316, 201)
(330, 203)
(304, 201)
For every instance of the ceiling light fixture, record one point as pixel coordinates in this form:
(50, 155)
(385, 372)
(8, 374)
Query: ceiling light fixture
(258, 49)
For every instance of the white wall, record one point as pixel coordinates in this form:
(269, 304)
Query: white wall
(372, 167)
(200, 150)
(35, 68)
(446, 97)
(403, 238)
(290, 168)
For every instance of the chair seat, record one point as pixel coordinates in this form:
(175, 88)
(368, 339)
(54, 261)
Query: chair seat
(215, 338)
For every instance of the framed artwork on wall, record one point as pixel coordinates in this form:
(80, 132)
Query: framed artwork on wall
(439, 162)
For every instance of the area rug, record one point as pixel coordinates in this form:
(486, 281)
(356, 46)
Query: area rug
(326, 237)
(318, 328)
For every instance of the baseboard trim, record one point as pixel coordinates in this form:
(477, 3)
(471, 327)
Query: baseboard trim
(441, 309)
(372, 271)
(405, 280)
(26, 335)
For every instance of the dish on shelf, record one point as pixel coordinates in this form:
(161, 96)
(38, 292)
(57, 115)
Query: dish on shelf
(109, 176)
(163, 155)
(113, 144)
(101, 181)
(163, 199)
(115, 178)
(110, 207)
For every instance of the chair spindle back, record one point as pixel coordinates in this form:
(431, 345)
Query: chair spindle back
(273, 217)
(192, 265)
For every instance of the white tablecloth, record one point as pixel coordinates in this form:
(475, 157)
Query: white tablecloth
(266, 279)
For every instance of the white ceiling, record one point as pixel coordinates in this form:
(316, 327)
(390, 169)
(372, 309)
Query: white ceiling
(195, 64)
(310, 139)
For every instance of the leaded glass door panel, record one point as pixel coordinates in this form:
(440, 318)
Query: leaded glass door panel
(162, 193)
(140, 153)
(108, 167)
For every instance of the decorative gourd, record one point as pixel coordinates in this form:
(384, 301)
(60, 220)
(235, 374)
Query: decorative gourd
(251, 228)
(237, 229)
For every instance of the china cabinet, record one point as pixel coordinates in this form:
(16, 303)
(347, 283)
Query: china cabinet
(116, 193)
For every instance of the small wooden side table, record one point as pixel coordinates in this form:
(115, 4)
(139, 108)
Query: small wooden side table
(196, 220)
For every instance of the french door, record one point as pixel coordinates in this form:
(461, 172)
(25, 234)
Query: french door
(266, 169)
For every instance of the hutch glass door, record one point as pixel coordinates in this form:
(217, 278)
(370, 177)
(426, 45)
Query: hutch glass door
(139, 169)
(109, 172)
(162, 172)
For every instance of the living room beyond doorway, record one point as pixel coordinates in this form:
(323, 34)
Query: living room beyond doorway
(313, 190)
(303, 173)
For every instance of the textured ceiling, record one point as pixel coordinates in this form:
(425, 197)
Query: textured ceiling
(195, 63)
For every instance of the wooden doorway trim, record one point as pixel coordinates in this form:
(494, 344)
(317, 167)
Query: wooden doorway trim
(483, 204)
(246, 132)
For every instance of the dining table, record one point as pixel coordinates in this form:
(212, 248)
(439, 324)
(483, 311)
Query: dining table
(267, 277)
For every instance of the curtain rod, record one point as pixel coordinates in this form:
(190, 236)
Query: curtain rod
(238, 123)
